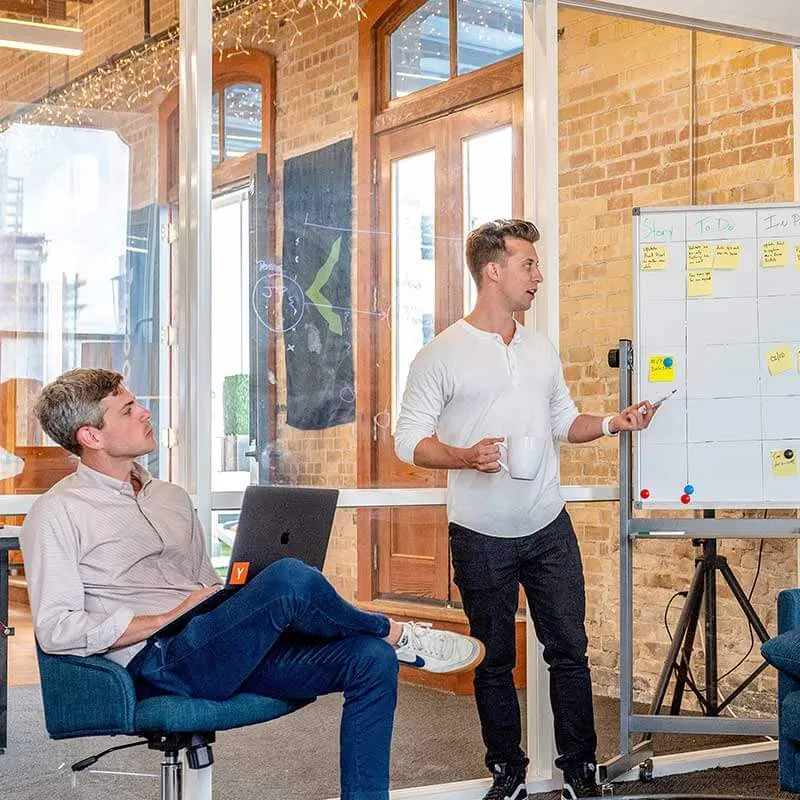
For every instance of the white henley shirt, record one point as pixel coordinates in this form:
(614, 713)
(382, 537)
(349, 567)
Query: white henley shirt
(467, 384)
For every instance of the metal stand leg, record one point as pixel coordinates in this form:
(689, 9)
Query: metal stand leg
(630, 755)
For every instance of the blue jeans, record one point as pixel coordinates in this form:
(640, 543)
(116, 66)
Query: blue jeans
(288, 635)
(488, 571)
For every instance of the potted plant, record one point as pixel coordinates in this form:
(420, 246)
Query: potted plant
(235, 421)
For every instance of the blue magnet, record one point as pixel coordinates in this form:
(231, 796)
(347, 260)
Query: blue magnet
(689, 489)
(668, 361)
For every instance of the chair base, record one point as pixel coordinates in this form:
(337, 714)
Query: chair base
(177, 783)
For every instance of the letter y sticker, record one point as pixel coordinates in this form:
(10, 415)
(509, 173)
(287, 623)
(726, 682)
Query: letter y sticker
(239, 570)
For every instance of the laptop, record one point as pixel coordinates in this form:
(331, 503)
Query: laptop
(275, 522)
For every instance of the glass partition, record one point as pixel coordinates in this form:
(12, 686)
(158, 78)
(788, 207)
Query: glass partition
(81, 273)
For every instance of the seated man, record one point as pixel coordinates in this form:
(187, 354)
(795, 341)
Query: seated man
(112, 555)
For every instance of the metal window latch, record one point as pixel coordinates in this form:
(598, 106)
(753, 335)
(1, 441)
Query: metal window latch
(169, 233)
(169, 335)
(169, 438)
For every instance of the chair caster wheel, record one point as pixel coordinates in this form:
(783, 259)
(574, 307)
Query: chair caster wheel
(646, 770)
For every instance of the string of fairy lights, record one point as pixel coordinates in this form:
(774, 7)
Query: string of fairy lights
(125, 82)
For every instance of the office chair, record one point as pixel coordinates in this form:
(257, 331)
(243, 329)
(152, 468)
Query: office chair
(92, 696)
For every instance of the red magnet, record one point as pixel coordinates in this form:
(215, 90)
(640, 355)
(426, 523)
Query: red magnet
(686, 499)
(644, 494)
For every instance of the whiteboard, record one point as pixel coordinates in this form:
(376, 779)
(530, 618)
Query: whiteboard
(717, 327)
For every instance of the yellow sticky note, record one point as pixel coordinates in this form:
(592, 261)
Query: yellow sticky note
(779, 360)
(698, 256)
(654, 256)
(700, 283)
(774, 254)
(727, 256)
(784, 463)
(661, 372)
(797, 256)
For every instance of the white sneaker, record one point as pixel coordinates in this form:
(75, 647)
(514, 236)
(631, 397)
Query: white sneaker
(437, 651)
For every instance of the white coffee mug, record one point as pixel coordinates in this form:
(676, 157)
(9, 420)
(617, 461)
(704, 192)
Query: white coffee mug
(524, 456)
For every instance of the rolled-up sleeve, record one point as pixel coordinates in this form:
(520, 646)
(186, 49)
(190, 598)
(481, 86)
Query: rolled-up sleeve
(424, 398)
(562, 408)
(57, 595)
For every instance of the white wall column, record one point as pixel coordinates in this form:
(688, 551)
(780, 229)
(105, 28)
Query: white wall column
(193, 269)
(540, 99)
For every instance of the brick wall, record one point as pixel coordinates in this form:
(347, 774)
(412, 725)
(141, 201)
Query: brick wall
(625, 140)
(625, 91)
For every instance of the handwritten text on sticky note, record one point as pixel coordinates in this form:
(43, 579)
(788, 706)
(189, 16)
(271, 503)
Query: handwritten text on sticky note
(727, 256)
(784, 463)
(700, 283)
(661, 372)
(774, 254)
(779, 360)
(698, 255)
(654, 256)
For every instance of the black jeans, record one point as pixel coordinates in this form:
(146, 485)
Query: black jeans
(488, 571)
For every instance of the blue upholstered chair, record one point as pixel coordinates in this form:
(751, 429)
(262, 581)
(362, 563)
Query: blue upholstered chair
(783, 652)
(92, 696)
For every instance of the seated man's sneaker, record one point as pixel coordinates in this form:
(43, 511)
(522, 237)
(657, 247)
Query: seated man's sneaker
(508, 784)
(580, 781)
(437, 651)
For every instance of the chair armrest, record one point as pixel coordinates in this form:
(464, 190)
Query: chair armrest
(85, 696)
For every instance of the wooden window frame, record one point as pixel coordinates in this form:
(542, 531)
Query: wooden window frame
(378, 114)
(456, 92)
(256, 67)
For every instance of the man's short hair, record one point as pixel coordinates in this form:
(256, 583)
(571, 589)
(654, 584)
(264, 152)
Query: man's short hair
(488, 243)
(73, 400)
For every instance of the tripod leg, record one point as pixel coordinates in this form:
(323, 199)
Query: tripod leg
(710, 620)
(692, 600)
(744, 602)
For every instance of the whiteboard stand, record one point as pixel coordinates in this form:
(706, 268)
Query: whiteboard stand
(702, 594)
(638, 760)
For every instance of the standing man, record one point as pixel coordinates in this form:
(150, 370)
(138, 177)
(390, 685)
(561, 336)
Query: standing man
(482, 380)
(112, 555)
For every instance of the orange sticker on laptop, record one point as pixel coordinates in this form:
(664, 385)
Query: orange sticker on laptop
(238, 574)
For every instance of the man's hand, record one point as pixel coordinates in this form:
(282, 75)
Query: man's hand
(143, 626)
(192, 600)
(485, 455)
(633, 418)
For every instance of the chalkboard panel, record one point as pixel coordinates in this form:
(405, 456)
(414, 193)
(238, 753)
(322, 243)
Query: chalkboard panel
(717, 301)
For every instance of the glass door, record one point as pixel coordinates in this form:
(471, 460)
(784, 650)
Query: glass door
(436, 181)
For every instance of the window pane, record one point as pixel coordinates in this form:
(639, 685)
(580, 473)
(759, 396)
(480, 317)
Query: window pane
(230, 342)
(215, 128)
(420, 49)
(488, 31)
(80, 283)
(487, 188)
(413, 262)
(242, 119)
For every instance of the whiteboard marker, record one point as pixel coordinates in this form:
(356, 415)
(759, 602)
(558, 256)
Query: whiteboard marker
(660, 400)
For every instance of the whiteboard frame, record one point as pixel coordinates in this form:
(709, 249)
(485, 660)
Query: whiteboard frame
(639, 359)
